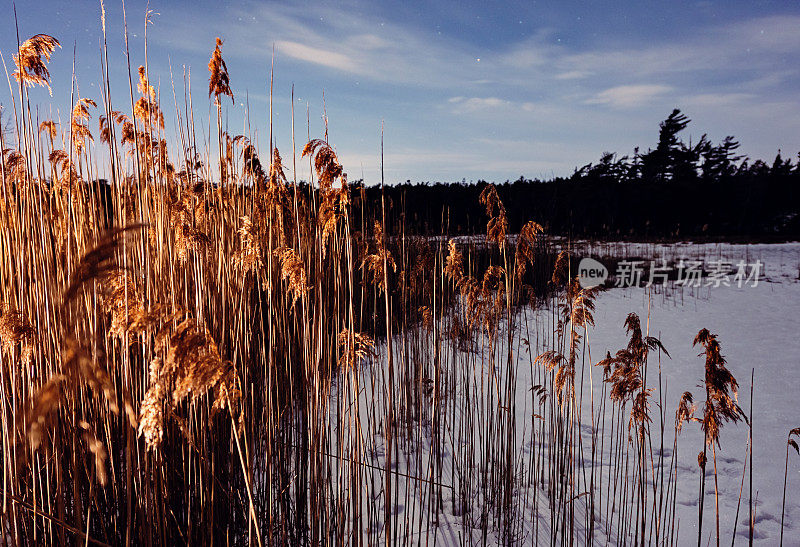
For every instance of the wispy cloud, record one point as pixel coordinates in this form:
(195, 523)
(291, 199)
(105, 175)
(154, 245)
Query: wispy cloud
(387, 52)
(626, 96)
(379, 50)
(318, 56)
(573, 75)
(477, 104)
(440, 90)
(752, 45)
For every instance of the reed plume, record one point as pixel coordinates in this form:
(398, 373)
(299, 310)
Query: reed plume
(524, 253)
(354, 347)
(189, 240)
(31, 68)
(497, 227)
(252, 164)
(218, 82)
(640, 413)
(39, 408)
(16, 331)
(80, 129)
(192, 367)
(146, 107)
(99, 262)
(375, 264)
(721, 389)
(454, 263)
(561, 269)
(15, 166)
(293, 272)
(326, 162)
(49, 127)
(79, 365)
(720, 406)
(686, 409)
(250, 256)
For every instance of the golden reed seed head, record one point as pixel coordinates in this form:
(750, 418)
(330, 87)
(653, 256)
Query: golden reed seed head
(354, 347)
(293, 272)
(326, 162)
(15, 330)
(50, 127)
(686, 410)
(79, 365)
(192, 367)
(524, 253)
(31, 68)
(219, 80)
(721, 387)
(47, 399)
(497, 227)
(98, 262)
(454, 263)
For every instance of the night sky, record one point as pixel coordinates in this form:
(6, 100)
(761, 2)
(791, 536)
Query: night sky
(466, 90)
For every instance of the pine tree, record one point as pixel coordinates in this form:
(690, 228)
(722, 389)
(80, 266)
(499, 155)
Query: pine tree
(660, 164)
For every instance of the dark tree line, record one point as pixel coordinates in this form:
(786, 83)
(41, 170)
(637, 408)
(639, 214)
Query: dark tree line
(676, 190)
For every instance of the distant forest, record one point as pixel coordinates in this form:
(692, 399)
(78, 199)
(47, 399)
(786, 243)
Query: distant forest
(697, 190)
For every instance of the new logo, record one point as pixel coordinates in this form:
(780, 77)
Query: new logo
(591, 273)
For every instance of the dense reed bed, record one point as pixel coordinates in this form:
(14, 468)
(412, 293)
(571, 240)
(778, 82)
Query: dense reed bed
(199, 349)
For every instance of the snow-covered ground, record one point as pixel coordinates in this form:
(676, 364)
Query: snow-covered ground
(758, 330)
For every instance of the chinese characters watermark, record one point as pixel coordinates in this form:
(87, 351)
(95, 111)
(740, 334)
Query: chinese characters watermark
(689, 273)
(684, 273)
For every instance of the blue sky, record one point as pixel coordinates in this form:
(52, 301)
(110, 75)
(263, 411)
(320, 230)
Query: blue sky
(466, 90)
